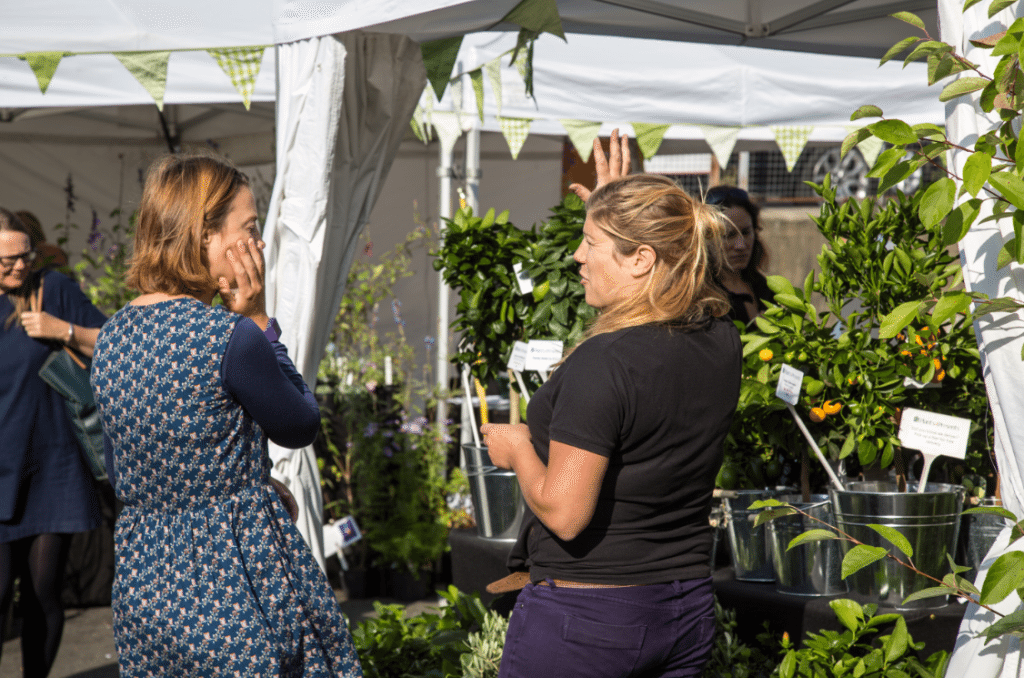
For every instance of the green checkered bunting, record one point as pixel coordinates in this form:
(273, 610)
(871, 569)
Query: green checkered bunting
(791, 141)
(242, 65)
(515, 131)
(869, 148)
(721, 140)
(582, 134)
(493, 70)
(649, 136)
(150, 69)
(43, 64)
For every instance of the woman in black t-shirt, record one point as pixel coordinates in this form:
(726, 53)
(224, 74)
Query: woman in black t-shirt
(745, 254)
(618, 462)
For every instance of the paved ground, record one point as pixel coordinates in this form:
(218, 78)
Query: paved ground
(87, 650)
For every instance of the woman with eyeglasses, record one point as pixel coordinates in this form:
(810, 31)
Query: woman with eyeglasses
(745, 254)
(617, 464)
(46, 493)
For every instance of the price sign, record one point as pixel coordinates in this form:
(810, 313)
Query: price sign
(542, 354)
(790, 382)
(517, 361)
(931, 433)
(523, 278)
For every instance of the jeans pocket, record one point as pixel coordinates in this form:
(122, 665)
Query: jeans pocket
(595, 649)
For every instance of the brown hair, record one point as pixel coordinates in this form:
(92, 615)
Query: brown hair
(186, 197)
(21, 298)
(35, 229)
(687, 238)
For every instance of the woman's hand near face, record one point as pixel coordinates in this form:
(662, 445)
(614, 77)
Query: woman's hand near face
(503, 440)
(249, 299)
(613, 166)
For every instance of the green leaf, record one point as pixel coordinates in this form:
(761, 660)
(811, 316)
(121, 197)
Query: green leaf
(895, 645)
(937, 202)
(948, 305)
(959, 221)
(894, 538)
(898, 319)
(779, 285)
(861, 556)
(891, 54)
(896, 132)
(976, 171)
(998, 6)
(868, 110)
(1003, 578)
(1011, 623)
(811, 535)
(848, 446)
(911, 19)
(502, 218)
(788, 665)
(1006, 254)
(755, 344)
(970, 3)
(1009, 186)
(962, 86)
(439, 59)
(791, 301)
(992, 511)
(848, 612)
(768, 515)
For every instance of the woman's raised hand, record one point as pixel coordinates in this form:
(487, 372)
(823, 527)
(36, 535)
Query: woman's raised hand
(249, 298)
(614, 165)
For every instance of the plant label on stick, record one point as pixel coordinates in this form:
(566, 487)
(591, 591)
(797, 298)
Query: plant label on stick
(523, 278)
(790, 382)
(934, 435)
(517, 361)
(542, 354)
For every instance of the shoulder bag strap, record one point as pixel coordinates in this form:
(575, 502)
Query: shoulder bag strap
(36, 304)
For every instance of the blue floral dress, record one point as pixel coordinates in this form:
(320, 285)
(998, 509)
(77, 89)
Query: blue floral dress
(212, 579)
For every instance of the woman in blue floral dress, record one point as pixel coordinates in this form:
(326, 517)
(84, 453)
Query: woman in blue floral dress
(213, 579)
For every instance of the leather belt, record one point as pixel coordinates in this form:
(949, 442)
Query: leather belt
(518, 580)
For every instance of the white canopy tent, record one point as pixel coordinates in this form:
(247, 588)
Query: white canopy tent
(850, 27)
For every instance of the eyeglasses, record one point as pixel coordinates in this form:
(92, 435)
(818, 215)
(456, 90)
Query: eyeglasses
(725, 194)
(27, 257)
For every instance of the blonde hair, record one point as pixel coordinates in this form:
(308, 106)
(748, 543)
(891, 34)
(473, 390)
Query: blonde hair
(186, 198)
(687, 237)
(21, 298)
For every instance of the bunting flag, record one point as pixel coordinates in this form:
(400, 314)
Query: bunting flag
(242, 66)
(721, 140)
(439, 59)
(539, 16)
(150, 69)
(582, 134)
(477, 79)
(649, 136)
(418, 123)
(791, 141)
(515, 131)
(493, 70)
(448, 129)
(43, 64)
(456, 90)
(869, 148)
(521, 63)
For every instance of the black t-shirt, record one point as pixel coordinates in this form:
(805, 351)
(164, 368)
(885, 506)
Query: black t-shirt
(737, 302)
(657, 401)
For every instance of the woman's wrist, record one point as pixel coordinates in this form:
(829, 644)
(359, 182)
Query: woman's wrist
(69, 338)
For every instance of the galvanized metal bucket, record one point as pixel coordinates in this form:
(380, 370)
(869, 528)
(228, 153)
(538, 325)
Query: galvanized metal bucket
(751, 557)
(813, 568)
(978, 531)
(929, 520)
(497, 500)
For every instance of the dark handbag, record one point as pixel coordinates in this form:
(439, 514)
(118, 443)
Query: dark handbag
(68, 374)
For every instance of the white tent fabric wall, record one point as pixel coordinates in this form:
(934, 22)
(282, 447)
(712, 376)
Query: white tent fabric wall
(1000, 337)
(344, 107)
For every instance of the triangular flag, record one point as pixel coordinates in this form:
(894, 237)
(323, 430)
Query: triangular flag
(515, 130)
(582, 134)
(456, 93)
(448, 129)
(649, 136)
(791, 141)
(418, 122)
(869, 148)
(439, 60)
(493, 70)
(721, 140)
(521, 63)
(539, 16)
(43, 64)
(242, 66)
(150, 69)
(477, 78)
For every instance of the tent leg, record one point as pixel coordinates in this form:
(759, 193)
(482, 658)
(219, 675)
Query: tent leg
(444, 175)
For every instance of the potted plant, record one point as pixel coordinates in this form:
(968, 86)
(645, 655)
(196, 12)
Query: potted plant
(877, 256)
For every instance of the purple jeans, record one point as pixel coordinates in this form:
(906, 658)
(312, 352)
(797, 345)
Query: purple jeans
(656, 630)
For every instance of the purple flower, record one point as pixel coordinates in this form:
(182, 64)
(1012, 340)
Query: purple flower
(396, 312)
(371, 429)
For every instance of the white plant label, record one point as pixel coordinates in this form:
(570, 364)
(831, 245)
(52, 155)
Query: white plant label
(937, 434)
(542, 354)
(517, 361)
(523, 278)
(910, 382)
(790, 382)
(348, 530)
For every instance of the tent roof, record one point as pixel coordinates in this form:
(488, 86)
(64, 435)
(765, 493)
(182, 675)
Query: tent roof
(850, 27)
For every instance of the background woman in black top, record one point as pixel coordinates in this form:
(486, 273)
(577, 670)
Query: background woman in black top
(745, 254)
(618, 462)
